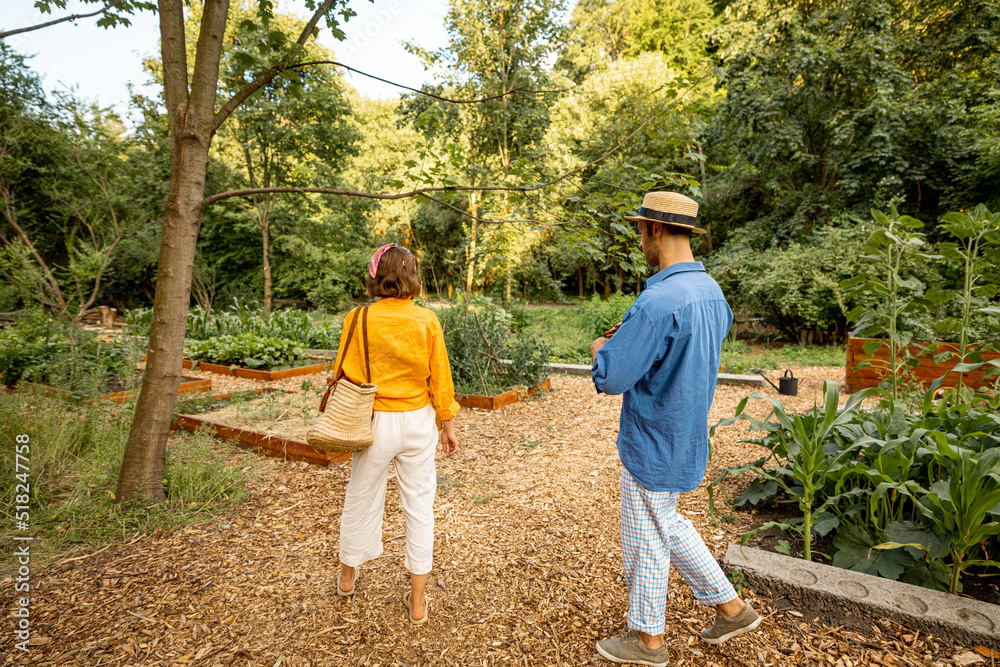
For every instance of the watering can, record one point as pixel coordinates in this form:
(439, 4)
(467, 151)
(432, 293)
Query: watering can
(788, 384)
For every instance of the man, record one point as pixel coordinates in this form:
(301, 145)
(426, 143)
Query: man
(664, 357)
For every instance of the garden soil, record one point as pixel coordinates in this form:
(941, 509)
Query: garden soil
(528, 565)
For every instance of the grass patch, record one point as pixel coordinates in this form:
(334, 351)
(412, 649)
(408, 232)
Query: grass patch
(739, 357)
(525, 443)
(74, 458)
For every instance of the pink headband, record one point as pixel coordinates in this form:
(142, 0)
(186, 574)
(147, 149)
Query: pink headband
(377, 257)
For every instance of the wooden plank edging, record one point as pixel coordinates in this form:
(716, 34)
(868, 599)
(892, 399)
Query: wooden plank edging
(264, 376)
(287, 449)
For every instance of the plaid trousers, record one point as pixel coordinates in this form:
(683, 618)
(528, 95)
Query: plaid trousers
(653, 534)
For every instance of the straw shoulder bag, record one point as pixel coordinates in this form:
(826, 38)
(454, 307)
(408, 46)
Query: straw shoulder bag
(345, 422)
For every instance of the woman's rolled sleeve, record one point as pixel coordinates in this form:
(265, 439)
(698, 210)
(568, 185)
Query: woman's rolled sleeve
(441, 386)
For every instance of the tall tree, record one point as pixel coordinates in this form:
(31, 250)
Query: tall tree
(601, 31)
(195, 113)
(296, 130)
(844, 104)
(60, 192)
(498, 51)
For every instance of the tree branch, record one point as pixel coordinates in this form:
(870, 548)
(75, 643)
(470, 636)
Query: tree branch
(173, 55)
(208, 201)
(72, 17)
(255, 85)
(520, 91)
(49, 281)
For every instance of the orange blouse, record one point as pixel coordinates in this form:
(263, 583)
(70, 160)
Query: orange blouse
(408, 359)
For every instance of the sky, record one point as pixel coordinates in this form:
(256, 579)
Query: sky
(100, 63)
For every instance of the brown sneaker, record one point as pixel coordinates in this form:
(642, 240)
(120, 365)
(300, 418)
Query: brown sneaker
(730, 626)
(628, 649)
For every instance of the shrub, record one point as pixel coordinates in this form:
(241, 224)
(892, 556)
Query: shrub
(40, 349)
(599, 316)
(480, 338)
(795, 285)
(246, 349)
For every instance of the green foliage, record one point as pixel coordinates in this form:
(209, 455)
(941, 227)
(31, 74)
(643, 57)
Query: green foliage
(601, 31)
(795, 285)
(893, 295)
(199, 474)
(480, 340)
(67, 192)
(564, 331)
(911, 495)
(40, 349)
(247, 349)
(801, 465)
(242, 317)
(599, 316)
(867, 117)
(976, 250)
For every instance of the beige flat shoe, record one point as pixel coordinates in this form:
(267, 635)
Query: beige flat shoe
(427, 609)
(354, 587)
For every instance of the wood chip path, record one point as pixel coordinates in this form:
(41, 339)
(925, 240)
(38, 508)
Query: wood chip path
(527, 567)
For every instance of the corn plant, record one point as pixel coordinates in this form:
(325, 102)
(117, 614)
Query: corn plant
(894, 295)
(964, 507)
(802, 465)
(978, 236)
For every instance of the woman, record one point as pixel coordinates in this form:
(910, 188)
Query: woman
(410, 366)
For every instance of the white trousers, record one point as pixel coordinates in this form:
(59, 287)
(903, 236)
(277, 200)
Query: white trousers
(410, 440)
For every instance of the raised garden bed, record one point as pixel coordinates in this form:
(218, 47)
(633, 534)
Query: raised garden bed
(265, 376)
(501, 401)
(189, 385)
(926, 371)
(275, 445)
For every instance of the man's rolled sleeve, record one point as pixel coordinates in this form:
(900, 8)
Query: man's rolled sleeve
(626, 357)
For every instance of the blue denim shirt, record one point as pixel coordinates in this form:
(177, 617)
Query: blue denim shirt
(665, 359)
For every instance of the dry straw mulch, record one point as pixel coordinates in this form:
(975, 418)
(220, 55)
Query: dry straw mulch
(528, 567)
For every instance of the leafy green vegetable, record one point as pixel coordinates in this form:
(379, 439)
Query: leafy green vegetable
(246, 349)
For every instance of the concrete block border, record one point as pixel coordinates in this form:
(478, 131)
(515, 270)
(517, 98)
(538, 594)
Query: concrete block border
(832, 591)
(724, 378)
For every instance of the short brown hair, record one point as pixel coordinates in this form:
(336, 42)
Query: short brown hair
(668, 229)
(397, 276)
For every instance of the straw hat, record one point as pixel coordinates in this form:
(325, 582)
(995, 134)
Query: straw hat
(669, 208)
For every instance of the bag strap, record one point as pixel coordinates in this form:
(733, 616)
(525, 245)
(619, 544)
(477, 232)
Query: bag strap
(340, 362)
(364, 334)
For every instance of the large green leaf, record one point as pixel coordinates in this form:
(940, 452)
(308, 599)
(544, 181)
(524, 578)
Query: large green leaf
(907, 532)
(935, 576)
(856, 551)
(756, 493)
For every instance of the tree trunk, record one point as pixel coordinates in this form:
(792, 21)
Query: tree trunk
(579, 278)
(142, 468)
(266, 235)
(451, 287)
(704, 195)
(191, 121)
(474, 211)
